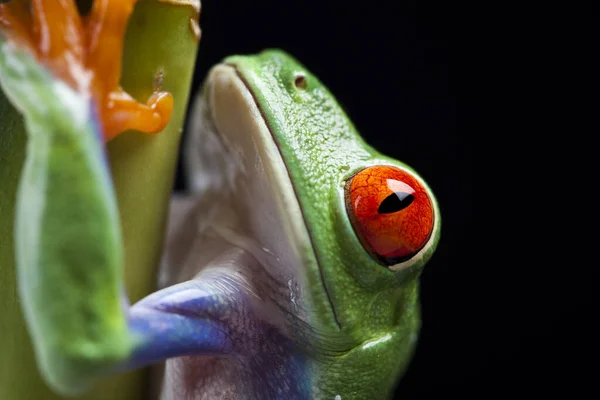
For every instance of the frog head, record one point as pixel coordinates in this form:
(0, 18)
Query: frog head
(339, 231)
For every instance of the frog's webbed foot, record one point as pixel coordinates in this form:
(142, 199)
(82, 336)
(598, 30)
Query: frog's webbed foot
(86, 54)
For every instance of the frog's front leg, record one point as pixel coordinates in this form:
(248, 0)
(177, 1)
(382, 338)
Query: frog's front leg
(86, 54)
(62, 73)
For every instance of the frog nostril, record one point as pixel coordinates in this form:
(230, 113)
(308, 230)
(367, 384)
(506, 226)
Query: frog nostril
(300, 81)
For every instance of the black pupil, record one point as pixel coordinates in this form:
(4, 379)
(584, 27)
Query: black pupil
(395, 202)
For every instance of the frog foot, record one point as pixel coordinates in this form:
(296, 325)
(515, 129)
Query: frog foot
(86, 53)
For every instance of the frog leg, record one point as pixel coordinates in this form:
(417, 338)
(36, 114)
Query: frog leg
(86, 54)
(106, 31)
(190, 318)
(68, 244)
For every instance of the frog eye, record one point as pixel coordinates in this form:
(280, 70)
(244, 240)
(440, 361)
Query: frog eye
(390, 212)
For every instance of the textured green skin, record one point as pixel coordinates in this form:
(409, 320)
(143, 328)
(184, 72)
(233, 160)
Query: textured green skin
(355, 299)
(142, 166)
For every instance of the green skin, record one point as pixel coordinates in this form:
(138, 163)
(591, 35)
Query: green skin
(142, 168)
(367, 315)
(370, 312)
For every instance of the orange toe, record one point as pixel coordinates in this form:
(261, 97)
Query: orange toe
(75, 50)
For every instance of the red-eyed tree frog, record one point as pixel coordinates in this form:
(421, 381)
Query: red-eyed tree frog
(290, 271)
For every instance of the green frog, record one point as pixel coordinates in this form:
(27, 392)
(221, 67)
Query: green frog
(290, 270)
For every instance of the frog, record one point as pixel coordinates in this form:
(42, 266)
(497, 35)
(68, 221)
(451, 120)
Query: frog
(277, 169)
(291, 267)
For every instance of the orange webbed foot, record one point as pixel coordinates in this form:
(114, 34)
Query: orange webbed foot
(86, 54)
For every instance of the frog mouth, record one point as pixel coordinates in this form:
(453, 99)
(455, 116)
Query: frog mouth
(241, 194)
(241, 216)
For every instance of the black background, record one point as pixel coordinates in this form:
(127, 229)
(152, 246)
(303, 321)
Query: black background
(412, 76)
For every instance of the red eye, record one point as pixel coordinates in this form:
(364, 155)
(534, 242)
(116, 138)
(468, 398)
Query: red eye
(390, 212)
